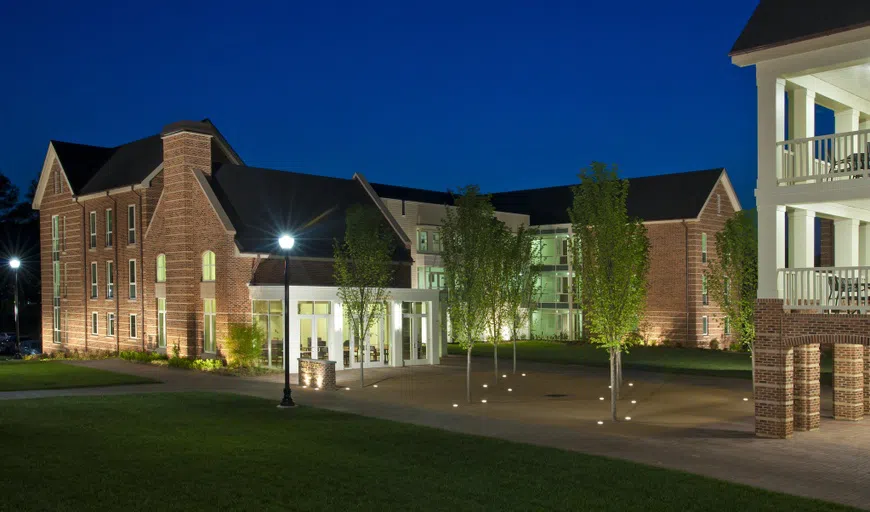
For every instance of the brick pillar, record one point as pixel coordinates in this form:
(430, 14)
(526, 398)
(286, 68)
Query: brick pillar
(774, 369)
(806, 387)
(867, 380)
(826, 236)
(848, 382)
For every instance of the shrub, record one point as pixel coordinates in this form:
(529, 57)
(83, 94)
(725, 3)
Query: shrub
(245, 344)
(714, 344)
(180, 362)
(138, 356)
(75, 354)
(207, 365)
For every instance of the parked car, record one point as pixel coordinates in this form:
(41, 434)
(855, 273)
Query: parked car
(30, 347)
(7, 343)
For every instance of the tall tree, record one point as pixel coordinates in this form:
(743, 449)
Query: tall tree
(614, 254)
(521, 282)
(733, 275)
(363, 271)
(496, 289)
(464, 246)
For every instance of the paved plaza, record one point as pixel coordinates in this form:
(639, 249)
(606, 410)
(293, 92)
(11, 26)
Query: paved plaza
(702, 425)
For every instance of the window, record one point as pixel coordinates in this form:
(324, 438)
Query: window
(431, 278)
(436, 241)
(208, 325)
(314, 324)
(269, 316)
(94, 329)
(563, 252)
(132, 279)
(55, 278)
(65, 279)
(110, 280)
(429, 240)
(133, 332)
(94, 280)
(63, 238)
(110, 324)
(131, 224)
(93, 225)
(161, 323)
(719, 204)
(423, 241)
(208, 270)
(705, 327)
(727, 328)
(161, 268)
(703, 247)
(110, 226)
(726, 285)
(705, 299)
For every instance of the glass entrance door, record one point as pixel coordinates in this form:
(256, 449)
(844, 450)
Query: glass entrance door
(415, 332)
(314, 329)
(375, 350)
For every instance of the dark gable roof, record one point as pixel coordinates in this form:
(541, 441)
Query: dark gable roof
(418, 195)
(93, 169)
(262, 203)
(651, 198)
(779, 22)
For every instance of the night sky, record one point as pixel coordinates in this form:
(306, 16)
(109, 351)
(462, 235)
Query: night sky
(436, 95)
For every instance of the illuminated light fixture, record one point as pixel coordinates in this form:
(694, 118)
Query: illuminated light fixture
(601, 398)
(486, 385)
(286, 242)
(524, 375)
(483, 401)
(745, 399)
(609, 387)
(316, 389)
(628, 418)
(375, 385)
(510, 389)
(630, 384)
(455, 405)
(504, 376)
(14, 263)
(305, 386)
(600, 422)
(347, 389)
(634, 401)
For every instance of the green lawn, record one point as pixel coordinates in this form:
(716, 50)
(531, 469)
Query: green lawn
(23, 375)
(660, 359)
(202, 451)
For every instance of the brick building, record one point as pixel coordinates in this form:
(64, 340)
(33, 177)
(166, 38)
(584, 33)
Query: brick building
(162, 242)
(813, 197)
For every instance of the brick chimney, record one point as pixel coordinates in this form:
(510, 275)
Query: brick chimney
(186, 149)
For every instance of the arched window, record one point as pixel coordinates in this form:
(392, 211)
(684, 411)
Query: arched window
(161, 268)
(208, 266)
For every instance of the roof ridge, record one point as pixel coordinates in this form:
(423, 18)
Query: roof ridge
(56, 141)
(697, 171)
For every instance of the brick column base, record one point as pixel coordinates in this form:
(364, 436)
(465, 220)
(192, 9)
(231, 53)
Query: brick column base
(806, 388)
(867, 379)
(774, 403)
(848, 382)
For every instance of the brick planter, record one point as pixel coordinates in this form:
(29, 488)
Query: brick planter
(317, 373)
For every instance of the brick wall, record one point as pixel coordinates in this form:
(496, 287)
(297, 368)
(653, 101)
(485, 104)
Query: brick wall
(666, 295)
(826, 238)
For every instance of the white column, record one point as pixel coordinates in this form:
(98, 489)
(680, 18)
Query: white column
(771, 250)
(864, 125)
(864, 245)
(846, 242)
(801, 244)
(846, 120)
(771, 129)
(804, 113)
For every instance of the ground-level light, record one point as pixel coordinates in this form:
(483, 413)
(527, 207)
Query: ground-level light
(483, 401)
(600, 422)
(486, 385)
(455, 405)
(628, 418)
(510, 389)
(634, 401)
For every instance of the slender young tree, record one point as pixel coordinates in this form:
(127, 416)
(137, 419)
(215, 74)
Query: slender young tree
(496, 289)
(363, 270)
(464, 246)
(521, 281)
(614, 255)
(732, 278)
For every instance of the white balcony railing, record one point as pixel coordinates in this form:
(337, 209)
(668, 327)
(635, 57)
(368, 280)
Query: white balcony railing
(840, 156)
(826, 288)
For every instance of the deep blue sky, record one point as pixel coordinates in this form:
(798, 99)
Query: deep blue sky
(426, 94)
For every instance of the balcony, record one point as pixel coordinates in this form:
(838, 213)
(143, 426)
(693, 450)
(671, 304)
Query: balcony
(827, 158)
(826, 289)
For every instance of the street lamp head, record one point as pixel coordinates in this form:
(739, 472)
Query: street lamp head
(286, 242)
(15, 263)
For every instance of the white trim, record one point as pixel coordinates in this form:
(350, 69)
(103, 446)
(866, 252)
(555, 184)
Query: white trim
(213, 201)
(813, 43)
(147, 181)
(153, 215)
(50, 157)
(383, 208)
(729, 190)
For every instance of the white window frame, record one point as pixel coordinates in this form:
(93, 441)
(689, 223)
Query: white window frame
(703, 247)
(726, 328)
(131, 279)
(110, 280)
(110, 324)
(159, 276)
(92, 223)
(110, 227)
(131, 224)
(95, 288)
(95, 330)
(705, 325)
(209, 325)
(705, 296)
(63, 236)
(134, 326)
(209, 269)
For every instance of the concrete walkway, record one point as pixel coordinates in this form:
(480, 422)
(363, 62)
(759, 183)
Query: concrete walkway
(696, 424)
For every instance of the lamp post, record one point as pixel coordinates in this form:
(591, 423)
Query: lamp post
(286, 243)
(14, 263)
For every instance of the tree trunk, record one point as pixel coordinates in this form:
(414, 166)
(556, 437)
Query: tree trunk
(618, 373)
(495, 358)
(613, 396)
(515, 354)
(362, 363)
(468, 376)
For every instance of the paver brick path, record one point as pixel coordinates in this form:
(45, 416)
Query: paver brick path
(696, 424)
